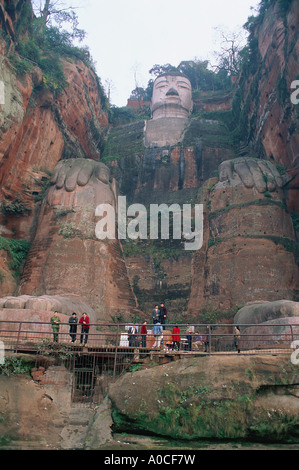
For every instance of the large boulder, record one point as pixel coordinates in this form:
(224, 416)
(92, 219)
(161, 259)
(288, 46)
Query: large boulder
(213, 397)
(279, 333)
(260, 312)
(65, 305)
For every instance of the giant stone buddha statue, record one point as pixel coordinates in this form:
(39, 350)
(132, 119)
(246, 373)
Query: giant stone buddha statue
(71, 260)
(171, 107)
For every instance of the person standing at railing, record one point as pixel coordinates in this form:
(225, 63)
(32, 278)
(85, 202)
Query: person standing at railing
(143, 332)
(55, 322)
(73, 321)
(237, 337)
(176, 338)
(206, 339)
(85, 324)
(158, 334)
(133, 336)
(190, 331)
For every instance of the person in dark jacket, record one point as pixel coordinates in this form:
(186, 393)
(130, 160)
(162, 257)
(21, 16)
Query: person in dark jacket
(163, 314)
(73, 322)
(155, 314)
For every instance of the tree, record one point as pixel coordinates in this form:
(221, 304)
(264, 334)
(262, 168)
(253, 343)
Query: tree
(55, 13)
(157, 70)
(230, 57)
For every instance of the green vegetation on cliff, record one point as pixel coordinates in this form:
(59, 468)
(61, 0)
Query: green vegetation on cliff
(17, 251)
(43, 44)
(212, 398)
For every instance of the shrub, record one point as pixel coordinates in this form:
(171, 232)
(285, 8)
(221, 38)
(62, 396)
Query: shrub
(17, 251)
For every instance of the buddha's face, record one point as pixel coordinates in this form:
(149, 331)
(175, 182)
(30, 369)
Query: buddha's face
(172, 97)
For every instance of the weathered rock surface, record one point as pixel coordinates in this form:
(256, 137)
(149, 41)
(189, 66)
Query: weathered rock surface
(272, 118)
(249, 250)
(66, 257)
(250, 243)
(37, 129)
(273, 334)
(228, 397)
(212, 397)
(62, 304)
(260, 312)
(35, 325)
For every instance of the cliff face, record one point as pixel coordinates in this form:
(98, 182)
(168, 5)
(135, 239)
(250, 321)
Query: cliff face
(272, 124)
(250, 245)
(250, 241)
(39, 127)
(251, 248)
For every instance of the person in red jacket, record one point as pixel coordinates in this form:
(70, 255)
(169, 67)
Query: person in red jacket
(85, 324)
(143, 332)
(176, 338)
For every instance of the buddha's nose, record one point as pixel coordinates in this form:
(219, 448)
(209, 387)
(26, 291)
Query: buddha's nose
(172, 92)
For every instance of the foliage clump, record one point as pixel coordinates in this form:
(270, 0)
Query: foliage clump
(17, 251)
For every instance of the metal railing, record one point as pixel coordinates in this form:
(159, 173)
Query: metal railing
(111, 351)
(212, 338)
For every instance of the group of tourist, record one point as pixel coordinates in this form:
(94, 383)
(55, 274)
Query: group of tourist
(73, 322)
(194, 340)
(159, 317)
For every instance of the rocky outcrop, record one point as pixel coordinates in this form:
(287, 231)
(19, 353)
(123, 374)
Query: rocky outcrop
(260, 312)
(66, 257)
(266, 107)
(213, 397)
(249, 241)
(64, 305)
(38, 129)
(35, 136)
(274, 324)
(219, 398)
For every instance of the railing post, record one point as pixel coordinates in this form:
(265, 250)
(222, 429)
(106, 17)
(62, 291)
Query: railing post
(292, 333)
(210, 340)
(115, 354)
(19, 335)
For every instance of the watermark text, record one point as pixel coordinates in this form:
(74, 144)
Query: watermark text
(295, 354)
(295, 94)
(162, 222)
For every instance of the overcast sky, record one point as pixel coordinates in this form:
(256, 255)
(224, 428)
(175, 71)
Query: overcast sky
(127, 37)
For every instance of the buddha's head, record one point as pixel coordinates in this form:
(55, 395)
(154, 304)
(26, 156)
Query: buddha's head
(172, 96)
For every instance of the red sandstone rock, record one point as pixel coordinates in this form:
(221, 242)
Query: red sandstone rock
(66, 257)
(248, 251)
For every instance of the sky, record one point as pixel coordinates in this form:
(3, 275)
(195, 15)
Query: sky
(127, 37)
